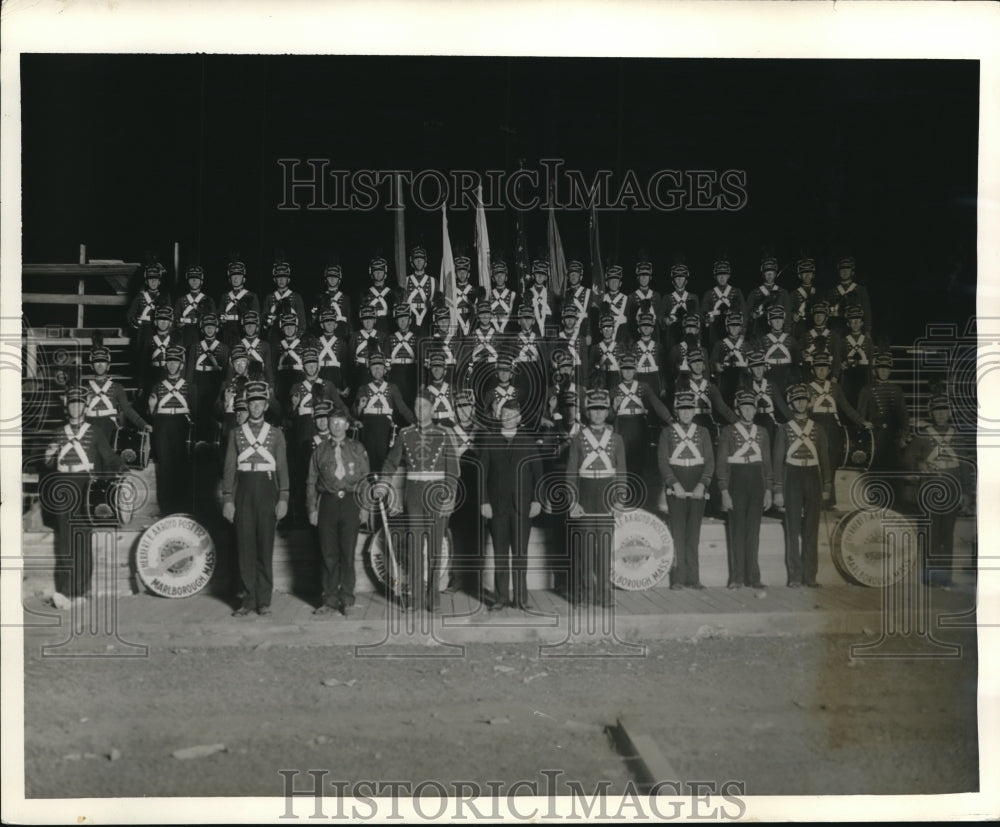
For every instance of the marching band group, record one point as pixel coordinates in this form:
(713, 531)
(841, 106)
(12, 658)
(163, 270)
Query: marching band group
(722, 401)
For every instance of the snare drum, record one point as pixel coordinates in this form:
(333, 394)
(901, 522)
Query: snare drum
(859, 448)
(133, 447)
(110, 502)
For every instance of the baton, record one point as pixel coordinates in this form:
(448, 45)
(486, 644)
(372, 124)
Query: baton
(393, 565)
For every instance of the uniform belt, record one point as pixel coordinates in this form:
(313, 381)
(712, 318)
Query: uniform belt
(403, 361)
(99, 414)
(802, 463)
(942, 466)
(422, 476)
(743, 460)
(172, 412)
(255, 467)
(596, 475)
(338, 494)
(687, 462)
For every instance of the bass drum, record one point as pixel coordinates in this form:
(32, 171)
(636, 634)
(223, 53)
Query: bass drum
(209, 438)
(132, 446)
(859, 448)
(874, 548)
(110, 501)
(379, 567)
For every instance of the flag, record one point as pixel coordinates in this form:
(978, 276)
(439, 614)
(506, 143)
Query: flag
(400, 235)
(596, 266)
(447, 280)
(482, 243)
(523, 261)
(557, 258)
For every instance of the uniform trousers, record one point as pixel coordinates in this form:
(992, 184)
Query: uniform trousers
(592, 538)
(746, 487)
(834, 438)
(299, 454)
(684, 518)
(74, 555)
(337, 527)
(509, 531)
(375, 436)
(205, 387)
(107, 425)
(173, 468)
(803, 502)
(423, 524)
(404, 377)
(256, 497)
(941, 551)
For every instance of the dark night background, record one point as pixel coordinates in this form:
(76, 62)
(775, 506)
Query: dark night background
(875, 158)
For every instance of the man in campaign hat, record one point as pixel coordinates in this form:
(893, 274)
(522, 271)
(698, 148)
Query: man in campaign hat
(338, 469)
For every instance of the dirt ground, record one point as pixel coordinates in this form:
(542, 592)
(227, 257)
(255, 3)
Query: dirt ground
(781, 715)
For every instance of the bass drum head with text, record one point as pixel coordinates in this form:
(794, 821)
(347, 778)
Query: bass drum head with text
(874, 548)
(377, 565)
(643, 551)
(175, 557)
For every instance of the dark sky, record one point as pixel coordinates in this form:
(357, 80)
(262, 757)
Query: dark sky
(877, 158)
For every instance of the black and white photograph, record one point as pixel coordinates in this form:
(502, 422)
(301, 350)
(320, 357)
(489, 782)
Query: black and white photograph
(499, 414)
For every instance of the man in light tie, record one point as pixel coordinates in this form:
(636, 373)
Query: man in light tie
(338, 469)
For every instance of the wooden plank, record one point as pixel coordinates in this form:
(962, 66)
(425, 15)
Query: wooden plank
(73, 298)
(79, 270)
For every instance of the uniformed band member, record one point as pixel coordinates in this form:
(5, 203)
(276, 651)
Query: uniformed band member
(255, 496)
(139, 317)
(596, 462)
(281, 302)
(379, 404)
(170, 407)
(192, 306)
(163, 337)
(802, 482)
(401, 355)
(107, 404)
(804, 297)
(856, 360)
(632, 403)
(78, 452)
(331, 350)
(207, 360)
(378, 295)
(502, 299)
(687, 463)
(258, 351)
(337, 468)
(677, 305)
(426, 453)
(236, 302)
(743, 469)
(364, 342)
(334, 301)
(881, 403)
(935, 452)
(720, 301)
(511, 472)
(614, 304)
(848, 293)
(765, 296)
(419, 291)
